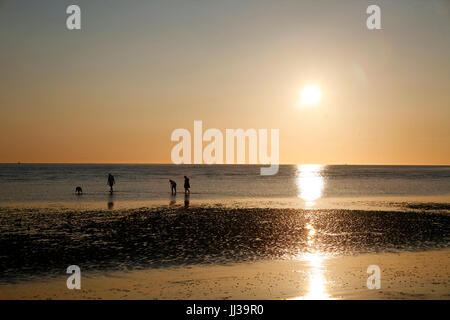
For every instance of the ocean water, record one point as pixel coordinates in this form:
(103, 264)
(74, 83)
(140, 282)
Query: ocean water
(310, 185)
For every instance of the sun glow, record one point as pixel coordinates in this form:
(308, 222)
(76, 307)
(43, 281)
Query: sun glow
(310, 95)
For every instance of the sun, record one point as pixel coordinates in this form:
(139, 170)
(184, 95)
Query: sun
(310, 95)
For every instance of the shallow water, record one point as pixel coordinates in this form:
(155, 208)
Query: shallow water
(54, 183)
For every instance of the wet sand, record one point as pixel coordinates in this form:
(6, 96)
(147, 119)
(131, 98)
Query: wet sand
(406, 275)
(39, 242)
(215, 252)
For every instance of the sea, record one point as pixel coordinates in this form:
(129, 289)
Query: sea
(315, 186)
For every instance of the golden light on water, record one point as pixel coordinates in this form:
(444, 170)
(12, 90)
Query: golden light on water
(317, 289)
(310, 185)
(317, 281)
(310, 182)
(311, 233)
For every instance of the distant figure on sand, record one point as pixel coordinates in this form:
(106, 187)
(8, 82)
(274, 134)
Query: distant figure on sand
(186, 185)
(78, 190)
(111, 182)
(173, 187)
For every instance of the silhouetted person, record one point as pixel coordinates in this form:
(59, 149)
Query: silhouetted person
(78, 190)
(186, 185)
(173, 187)
(111, 182)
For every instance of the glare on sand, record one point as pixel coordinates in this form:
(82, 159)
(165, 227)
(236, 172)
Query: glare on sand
(310, 95)
(317, 282)
(310, 182)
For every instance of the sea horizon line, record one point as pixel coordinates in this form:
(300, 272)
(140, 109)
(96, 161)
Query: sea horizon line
(228, 164)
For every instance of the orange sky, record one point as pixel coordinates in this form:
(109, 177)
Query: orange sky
(114, 91)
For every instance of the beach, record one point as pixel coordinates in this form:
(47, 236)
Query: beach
(199, 150)
(311, 232)
(215, 252)
(411, 275)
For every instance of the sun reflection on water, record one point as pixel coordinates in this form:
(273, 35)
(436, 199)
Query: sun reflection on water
(317, 281)
(317, 289)
(310, 183)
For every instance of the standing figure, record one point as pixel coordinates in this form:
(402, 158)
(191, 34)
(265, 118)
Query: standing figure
(173, 187)
(111, 182)
(186, 185)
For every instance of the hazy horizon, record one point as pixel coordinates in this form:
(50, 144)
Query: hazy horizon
(227, 164)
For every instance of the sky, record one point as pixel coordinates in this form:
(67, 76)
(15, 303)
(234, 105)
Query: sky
(114, 91)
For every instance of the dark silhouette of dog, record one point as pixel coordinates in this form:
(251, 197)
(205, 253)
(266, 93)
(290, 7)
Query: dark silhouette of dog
(78, 190)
